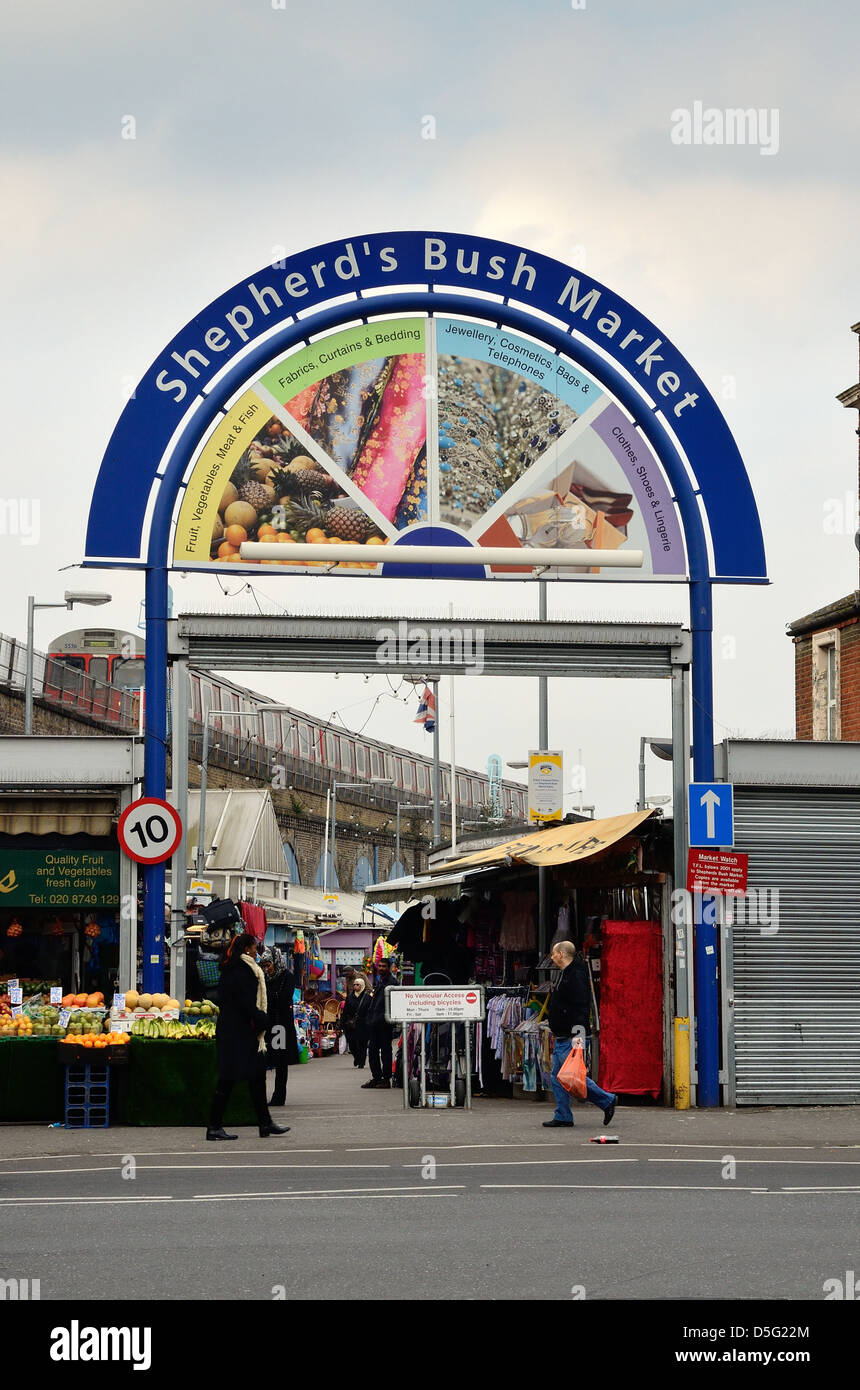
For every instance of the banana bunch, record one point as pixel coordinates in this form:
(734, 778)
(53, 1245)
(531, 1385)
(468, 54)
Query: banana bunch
(154, 1028)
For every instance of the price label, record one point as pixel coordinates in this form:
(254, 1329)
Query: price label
(12, 984)
(65, 1015)
(16, 996)
(17, 1010)
(56, 994)
(119, 1001)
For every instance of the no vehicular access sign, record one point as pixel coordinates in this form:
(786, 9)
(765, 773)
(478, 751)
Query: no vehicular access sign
(427, 1004)
(716, 871)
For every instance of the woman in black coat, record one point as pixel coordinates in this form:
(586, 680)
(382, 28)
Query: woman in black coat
(240, 1034)
(353, 1021)
(282, 1045)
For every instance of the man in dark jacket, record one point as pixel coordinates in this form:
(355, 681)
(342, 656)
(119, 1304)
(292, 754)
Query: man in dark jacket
(379, 1033)
(569, 1013)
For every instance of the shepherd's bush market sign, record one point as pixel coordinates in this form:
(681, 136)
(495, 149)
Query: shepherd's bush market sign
(59, 878)
(537, 409)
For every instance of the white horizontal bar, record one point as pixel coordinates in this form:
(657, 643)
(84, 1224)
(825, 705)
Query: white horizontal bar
(444, 555)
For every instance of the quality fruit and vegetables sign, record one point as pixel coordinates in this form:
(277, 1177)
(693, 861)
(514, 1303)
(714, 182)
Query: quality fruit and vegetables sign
(59, 878)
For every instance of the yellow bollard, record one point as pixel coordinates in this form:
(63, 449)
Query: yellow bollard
(682, 1064)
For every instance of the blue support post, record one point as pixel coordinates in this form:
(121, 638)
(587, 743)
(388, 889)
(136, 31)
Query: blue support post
(155, 769)
(707, 945)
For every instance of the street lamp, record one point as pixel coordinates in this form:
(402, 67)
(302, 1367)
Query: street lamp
(235, 714)
(71, 597)
(661, 747)
(332, 793)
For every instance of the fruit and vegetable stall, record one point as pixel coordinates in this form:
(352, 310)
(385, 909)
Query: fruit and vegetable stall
(153, 1057)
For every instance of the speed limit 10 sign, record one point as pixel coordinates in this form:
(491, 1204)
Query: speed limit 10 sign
(149, 830)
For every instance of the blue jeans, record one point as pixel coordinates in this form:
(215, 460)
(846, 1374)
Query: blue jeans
(602, 1099)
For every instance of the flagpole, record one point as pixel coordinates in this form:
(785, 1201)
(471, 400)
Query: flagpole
(437, 772)
(453, 770)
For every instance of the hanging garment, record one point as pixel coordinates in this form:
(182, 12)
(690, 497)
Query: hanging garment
(563, 925)
(518, 932)
(254, 918)
(631, 1008)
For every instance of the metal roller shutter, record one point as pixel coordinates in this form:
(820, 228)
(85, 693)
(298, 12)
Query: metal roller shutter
(797, 992)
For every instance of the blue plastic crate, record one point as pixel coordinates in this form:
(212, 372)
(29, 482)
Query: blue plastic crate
(87, 1117)
(87, 1096)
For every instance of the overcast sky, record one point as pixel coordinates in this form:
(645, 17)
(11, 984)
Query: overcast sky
(259, 127)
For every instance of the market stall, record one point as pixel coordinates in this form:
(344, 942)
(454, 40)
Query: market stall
(474, 920)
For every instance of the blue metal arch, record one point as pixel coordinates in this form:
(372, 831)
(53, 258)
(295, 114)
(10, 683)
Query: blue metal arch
(246, 370)
(644, 413)
(551, 290)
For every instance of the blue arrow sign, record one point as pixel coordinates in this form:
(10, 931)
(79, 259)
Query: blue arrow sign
(711, 811)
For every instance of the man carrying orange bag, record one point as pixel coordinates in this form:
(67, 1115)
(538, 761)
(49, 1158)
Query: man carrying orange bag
(568, 1013)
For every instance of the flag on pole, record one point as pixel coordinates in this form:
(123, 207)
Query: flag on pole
(426, 711)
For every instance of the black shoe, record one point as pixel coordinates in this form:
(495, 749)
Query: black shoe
(558, 1124)
(370, 1085)
(266, 1130)
(609, 1112)
(220, 1134)
(278, 1100)
(383, 1085)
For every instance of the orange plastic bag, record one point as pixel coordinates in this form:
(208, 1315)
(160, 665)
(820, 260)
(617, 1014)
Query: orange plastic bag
(571, 1073)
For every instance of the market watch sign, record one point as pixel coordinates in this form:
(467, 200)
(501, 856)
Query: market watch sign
(59, 878)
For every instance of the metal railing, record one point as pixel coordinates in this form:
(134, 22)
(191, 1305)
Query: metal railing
(63, 687)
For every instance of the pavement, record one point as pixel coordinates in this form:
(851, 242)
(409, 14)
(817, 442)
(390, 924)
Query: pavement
(363, 1199)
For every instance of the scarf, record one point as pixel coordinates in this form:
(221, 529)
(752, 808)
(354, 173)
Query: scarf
(276, 956)
(262, 1001)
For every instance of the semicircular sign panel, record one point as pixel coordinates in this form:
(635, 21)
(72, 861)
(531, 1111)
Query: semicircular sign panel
(375, 431)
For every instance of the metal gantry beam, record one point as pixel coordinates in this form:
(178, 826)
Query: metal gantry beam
(420, 645)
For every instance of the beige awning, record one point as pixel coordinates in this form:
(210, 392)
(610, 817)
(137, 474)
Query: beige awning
(67, 815)
(561, 844)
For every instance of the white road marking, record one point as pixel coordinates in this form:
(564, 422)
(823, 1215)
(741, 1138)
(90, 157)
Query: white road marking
(189, 1153)
(791, 1191)
(345, 1194)
(528, 1162)
(774, 1162)
(190, 1168)
(446, 1148)
(76, 1201)
(325, 1191)
(614, 1187)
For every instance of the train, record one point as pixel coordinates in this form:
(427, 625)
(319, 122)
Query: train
(99, 672)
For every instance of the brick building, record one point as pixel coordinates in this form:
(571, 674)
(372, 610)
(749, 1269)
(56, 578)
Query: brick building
(827, 645)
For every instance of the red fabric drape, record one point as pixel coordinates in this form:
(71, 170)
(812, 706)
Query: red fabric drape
(631, 1008)
(254, 918)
